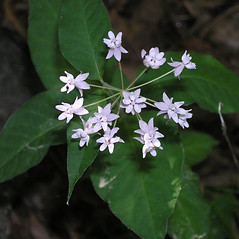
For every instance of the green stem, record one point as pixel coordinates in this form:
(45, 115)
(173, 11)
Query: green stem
(118, 111)
(149, 82)
(103, 87)
(107, 98)
(150, 104)
(153, 101)
(138, 116)
(145, 69)
(115, 101)
(121, 76)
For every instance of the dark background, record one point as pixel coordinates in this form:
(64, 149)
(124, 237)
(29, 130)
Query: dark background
(33, 205)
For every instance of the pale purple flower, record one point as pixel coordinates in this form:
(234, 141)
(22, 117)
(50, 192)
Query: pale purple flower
(69, 110)
(132, 102)
(183, 116)
(114, 43)
(108, 139)
(179, 66)
(81, 84)
(103, 118)
(71, 82)
(149, 137)
(173, 111)
(84, 133)
(154, 59)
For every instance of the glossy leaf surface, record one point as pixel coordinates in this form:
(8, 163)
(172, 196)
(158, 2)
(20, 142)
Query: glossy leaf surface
(141, 192)
(83, 25)
(29, 132)
(43, 42)
(191, 215)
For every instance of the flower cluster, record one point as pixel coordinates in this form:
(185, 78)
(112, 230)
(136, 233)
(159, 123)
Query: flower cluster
(173, 111)
(103, 122)
(149, 137)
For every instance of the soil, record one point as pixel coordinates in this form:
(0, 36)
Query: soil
(33, 205)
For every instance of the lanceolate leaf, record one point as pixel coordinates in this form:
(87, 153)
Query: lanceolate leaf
(141, 192)
(83, 25)
(208, 85)
(28, 134)
(78, 159)
(43, 41)
(191, 215)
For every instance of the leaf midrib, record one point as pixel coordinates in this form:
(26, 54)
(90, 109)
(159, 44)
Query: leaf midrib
(26, 143)
(89, 41)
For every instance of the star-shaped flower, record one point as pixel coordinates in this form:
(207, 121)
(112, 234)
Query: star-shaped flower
(71, 82)
(83, 134)
(114, 43)
(108, 139)
(173, 111)
(69, 110)
(154, 59)
(132, 102)
(81, 84)
(103, 118)
(149, 137)
(179, 66)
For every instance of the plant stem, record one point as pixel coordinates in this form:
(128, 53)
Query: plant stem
(145, 69)
(154, 101)
(103, 87)
(107, 98)
(118, 111)
(138, 116)
(121, 76)
(150, 104)
(115, 101)
(149, 82)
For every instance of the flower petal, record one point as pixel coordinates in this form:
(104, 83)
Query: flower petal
(117, 54)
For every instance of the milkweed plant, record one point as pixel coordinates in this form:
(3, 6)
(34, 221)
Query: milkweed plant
(131, 138)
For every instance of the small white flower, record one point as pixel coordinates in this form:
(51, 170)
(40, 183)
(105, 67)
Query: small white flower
(83, 134)
(132, 102)
(149, 137)
(173, 111)
(114, 43)
(103, 118)
(69, 110)
(183, 116)
(179, 66)
(108, 140)
(154, 59)
(81, 84)
(71, 82)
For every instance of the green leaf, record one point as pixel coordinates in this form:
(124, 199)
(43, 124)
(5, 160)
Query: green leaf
(141, 192)
(29, 132)
(197, 146)
(79, 159)
(83, 25)
(223, 209)
(43, 42)
(208, 85)
(192, 213)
